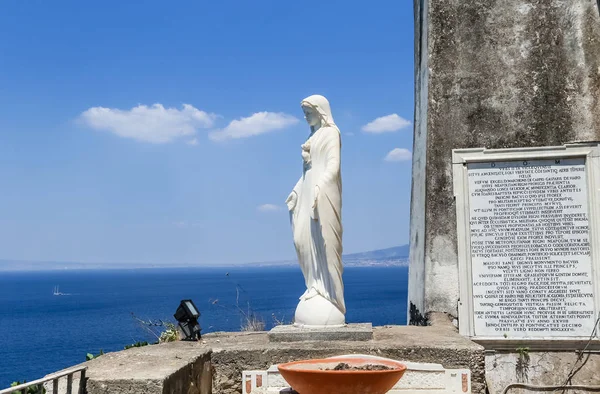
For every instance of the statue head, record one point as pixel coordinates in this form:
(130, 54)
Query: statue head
(311, 115)
(317, 111)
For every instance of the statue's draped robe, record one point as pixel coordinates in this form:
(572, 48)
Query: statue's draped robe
(319, 242)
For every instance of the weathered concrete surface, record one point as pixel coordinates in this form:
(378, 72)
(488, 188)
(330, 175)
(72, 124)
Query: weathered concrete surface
(540, 368)
(350, 332)
(236, 352)
(177, 367)
(494, 74)
(219, 359)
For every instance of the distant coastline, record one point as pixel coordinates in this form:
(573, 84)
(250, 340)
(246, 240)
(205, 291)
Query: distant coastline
(390, 257)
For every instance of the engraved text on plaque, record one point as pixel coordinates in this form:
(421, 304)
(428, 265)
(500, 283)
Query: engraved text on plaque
(530, 252)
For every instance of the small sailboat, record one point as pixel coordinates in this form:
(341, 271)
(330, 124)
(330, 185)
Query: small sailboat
(57, 291)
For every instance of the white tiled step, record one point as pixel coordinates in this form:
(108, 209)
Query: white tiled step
(419, 378)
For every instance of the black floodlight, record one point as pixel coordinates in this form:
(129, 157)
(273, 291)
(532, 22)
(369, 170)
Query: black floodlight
(191, 330)
(187, 315)
(187, 310)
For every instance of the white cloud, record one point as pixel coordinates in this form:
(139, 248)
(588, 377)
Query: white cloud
(193, 141)
(269, 208)
(386, 124)
(258, 123)
(155, 124)
(398, 154)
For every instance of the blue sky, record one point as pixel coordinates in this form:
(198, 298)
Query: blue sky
(169, 132)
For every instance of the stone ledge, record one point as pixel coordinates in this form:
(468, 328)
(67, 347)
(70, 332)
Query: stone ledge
(219, 359)
(350, 332)
(178, 367)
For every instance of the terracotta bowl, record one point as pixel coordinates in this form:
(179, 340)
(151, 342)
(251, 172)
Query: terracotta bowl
(310, 377)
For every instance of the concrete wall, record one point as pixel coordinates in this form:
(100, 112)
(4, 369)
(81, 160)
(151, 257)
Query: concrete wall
(215, 364)
(494, 74)
(540, 368)
(416, 273)
(235, 352)
(219, 359)
(229, 365)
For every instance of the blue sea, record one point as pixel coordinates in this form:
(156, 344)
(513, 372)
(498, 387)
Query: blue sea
(41, 333)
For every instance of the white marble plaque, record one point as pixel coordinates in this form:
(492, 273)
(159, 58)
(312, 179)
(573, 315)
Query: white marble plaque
(530, 248)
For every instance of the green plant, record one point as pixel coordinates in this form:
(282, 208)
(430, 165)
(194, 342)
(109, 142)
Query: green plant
(90, 356)
(522, 365)
(28, 390)
(171, 334)
(137, 344)
(523, 351)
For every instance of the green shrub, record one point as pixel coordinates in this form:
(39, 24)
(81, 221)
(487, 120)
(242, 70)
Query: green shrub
(90, 356)
(137, 344)
(29, 390)
(171, 334)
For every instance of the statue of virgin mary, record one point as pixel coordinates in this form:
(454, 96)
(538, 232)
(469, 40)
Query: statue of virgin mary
(315, 206)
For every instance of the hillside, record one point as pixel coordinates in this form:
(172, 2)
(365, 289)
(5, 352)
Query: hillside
(397, 252)
(395, 256)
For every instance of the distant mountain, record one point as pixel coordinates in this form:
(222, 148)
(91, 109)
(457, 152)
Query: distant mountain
(397, 252)
(396, 256)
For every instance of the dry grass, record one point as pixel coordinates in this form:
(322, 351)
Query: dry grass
(253, 323)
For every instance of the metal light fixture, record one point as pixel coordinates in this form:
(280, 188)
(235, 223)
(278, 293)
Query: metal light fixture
(187, 315)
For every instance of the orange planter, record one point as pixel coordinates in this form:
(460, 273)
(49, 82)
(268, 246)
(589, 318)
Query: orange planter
(310, 376)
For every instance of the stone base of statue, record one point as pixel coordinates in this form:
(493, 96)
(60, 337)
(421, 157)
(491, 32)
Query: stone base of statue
(318, 312)
(347, 332)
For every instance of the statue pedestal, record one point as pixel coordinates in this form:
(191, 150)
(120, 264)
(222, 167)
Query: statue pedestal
(347, 332)
(318, 312)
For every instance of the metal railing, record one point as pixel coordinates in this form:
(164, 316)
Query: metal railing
(22, 388)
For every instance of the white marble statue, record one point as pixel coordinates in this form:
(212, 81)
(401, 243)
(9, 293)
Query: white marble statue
(315, 207)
